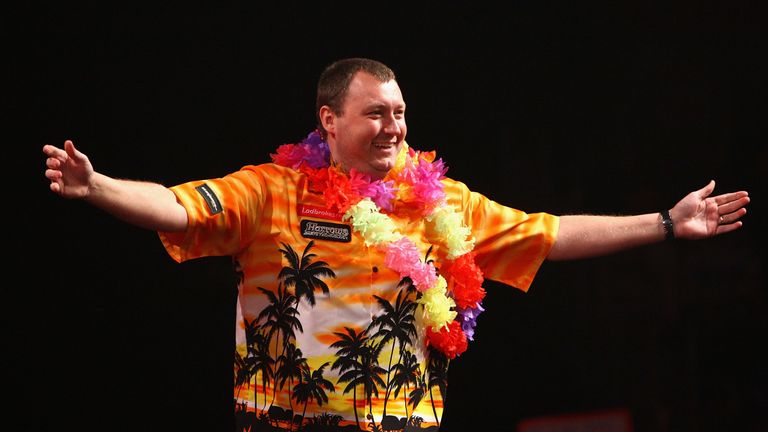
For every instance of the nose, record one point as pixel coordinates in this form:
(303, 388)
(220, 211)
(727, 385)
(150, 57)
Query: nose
(392, 125)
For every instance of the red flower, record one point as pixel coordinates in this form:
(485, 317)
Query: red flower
(317, 177)
(466, 280)
(450, 341)
(289, 155)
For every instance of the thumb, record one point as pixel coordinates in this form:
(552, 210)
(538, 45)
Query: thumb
(72, 152)
(706, 190)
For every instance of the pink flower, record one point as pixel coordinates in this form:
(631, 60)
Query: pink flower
(382, 193)
(423, 275)
(401, 255)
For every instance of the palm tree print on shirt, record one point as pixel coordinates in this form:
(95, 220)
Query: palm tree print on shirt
(303, 274)
(374, 362)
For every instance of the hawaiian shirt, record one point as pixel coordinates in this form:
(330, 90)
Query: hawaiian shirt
(327, 337)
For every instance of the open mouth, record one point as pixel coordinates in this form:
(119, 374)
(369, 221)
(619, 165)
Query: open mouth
(384, 146)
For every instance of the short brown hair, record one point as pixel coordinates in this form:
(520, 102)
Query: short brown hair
(333, 85)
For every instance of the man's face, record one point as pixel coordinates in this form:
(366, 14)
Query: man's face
(369, 133)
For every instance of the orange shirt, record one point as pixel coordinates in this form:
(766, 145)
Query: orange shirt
(325, 331)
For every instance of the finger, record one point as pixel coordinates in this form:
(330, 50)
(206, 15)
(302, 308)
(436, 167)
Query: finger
(53, 163)
(726, 219)
(731, 197)
(55, 152)
(722, 229)
(732, 206)
(49, 149)
(53, 175)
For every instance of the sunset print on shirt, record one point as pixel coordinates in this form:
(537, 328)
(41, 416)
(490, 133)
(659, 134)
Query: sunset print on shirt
(381, 369)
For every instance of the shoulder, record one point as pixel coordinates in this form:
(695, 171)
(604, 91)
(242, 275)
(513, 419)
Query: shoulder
(269, 173)
(456, 192)
(452, 185)
(270, 169)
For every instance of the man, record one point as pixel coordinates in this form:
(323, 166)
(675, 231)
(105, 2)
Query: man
(361, 264)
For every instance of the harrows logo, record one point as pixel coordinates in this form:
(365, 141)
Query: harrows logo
(326, 231)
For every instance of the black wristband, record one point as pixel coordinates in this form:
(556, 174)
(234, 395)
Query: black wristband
(666, 223)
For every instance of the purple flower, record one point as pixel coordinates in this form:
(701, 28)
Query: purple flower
(317, 152)
(468, 319)
(317, 156)
(313, 138)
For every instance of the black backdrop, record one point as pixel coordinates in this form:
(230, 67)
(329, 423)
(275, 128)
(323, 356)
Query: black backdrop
(545, 106)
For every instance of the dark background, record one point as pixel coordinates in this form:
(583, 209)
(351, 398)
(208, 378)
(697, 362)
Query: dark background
(565, 107)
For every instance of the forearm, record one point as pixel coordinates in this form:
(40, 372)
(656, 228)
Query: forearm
(144, 204)
(590, 236)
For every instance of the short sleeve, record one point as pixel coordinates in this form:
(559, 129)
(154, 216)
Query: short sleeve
(220, 215)
(510, 244)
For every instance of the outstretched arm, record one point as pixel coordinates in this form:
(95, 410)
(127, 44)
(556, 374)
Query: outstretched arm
(698, 215)
(144, 204)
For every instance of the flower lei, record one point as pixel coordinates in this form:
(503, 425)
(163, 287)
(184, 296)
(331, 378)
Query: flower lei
(451, 303)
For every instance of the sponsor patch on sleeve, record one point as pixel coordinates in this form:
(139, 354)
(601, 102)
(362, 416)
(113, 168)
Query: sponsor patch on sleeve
(321, 230)
(214, 205)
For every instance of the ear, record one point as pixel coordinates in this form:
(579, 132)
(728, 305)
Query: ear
(327, 119)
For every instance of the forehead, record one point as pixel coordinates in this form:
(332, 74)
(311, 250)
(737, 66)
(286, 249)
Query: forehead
(367, 90)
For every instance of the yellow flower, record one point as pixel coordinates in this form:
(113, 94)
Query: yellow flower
(437, 305)
(375, 227)
(449, 227)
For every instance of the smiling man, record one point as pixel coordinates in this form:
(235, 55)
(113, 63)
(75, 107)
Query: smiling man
(361, 264)
(366, 130)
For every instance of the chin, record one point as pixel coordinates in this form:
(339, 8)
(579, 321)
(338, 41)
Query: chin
(379, 171)
(384, 166)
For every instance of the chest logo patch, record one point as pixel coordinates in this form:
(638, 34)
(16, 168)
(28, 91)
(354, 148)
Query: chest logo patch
(326, 231)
